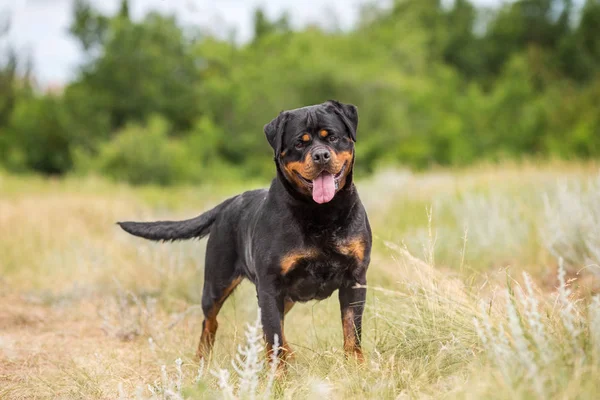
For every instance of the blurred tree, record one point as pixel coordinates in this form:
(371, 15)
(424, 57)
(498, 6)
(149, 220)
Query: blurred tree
(89, 27)
(264, 27)
(15, 83)
(579, 52)
(436, 82)
(142, 67)
(587, 31)
(40, 135)
(525, 23)
(142, 154)
(461, 47)
(10, 84)
(124, 9)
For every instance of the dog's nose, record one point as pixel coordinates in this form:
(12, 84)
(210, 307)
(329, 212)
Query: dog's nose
(321, 156)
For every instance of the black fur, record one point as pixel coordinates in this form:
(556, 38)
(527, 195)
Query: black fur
(197, 227)
(290, 247)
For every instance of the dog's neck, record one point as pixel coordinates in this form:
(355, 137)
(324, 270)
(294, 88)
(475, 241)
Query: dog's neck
(304, 207)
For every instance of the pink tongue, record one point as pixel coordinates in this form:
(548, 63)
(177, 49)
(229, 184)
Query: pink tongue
(323, 188)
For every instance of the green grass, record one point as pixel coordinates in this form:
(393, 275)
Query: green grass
(449, 311)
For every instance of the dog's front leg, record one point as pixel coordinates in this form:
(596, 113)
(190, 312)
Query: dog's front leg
(352, 305)
(272, 305)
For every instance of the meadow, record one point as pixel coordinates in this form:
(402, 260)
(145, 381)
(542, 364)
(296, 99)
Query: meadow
(482, 285)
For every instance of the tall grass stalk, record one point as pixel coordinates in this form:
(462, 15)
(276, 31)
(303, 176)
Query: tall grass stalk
(248, 364)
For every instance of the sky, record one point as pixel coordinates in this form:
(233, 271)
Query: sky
(40, 27)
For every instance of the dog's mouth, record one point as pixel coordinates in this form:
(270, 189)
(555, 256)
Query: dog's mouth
(325, 185)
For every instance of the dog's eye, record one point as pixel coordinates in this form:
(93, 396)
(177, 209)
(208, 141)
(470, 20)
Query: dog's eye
(332, 138)
(299, 145)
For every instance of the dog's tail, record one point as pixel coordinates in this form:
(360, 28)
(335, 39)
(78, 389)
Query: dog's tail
(176, 230)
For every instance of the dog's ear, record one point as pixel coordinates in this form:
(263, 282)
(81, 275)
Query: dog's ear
(274, 131)
(349, 115)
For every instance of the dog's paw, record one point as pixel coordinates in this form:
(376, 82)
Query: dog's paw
(356, 355)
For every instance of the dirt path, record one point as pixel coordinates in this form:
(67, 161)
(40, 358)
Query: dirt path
(61, 352)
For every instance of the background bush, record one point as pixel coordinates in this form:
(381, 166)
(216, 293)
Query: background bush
(39, 136)
(435, 83)
(143, 154)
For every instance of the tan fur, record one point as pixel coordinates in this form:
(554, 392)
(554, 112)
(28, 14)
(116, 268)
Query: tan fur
(354, 248)
(210, 326)
(307, 169)
(289, 260)
(337, 163)
(351, 346)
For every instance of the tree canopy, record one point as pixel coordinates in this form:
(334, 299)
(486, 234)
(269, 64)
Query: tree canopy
(435, 84)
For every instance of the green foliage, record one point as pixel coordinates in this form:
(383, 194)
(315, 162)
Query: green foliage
(89, 27)
(14, 85)
(143, 68)
(39, 135)
(436, 84)
(144, 155)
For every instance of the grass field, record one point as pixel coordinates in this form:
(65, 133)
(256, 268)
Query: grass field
(481, 285)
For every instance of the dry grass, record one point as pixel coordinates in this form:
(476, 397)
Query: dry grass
(90, 312)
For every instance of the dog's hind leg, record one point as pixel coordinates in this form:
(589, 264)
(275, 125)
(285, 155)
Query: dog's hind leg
(220, 280)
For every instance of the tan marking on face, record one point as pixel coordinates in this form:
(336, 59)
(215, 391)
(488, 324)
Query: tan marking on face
(306, 168)
(306, 137)
(351, 346)
(353, 248)
(309, 171)
(289, 260)
(323, 133)
(337, 163)
(283, 153)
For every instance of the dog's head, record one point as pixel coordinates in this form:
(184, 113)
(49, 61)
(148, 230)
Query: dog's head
(314, 146)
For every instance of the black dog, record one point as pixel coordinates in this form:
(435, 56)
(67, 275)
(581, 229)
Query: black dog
(300, 240)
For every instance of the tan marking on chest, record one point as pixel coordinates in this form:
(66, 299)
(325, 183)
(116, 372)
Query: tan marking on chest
(292, 258)
(354, 248)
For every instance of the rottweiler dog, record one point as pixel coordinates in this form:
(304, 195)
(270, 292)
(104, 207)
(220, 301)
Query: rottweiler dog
(301, 239)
